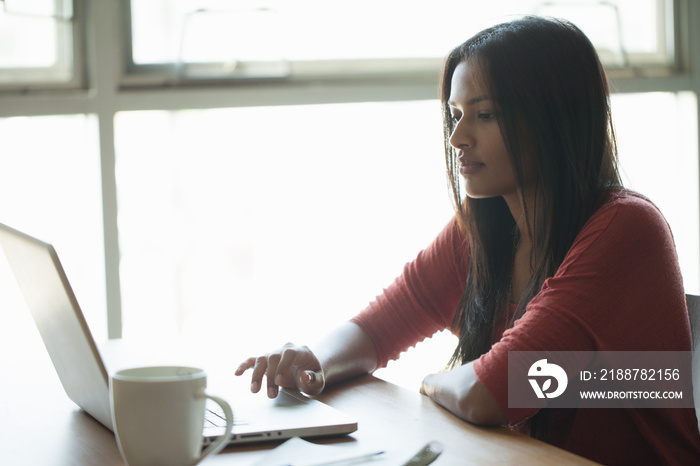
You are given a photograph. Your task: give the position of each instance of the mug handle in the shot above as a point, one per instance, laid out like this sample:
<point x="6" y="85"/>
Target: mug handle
<point x="222" y="441"/>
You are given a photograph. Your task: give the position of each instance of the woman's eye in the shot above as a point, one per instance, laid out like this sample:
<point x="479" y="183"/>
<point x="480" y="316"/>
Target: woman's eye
<point x="487" y="116"/>
<point x="454" y="118"/>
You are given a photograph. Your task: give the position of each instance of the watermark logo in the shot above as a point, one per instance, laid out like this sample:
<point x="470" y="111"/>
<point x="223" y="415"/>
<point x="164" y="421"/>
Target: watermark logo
<point x="547" y="371"/>
<point x="600" y="379"/>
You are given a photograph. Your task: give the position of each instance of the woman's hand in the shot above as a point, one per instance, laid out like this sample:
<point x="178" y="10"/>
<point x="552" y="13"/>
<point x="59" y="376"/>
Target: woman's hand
<point x="291" y="366"/>
<point x="346" y="352"/>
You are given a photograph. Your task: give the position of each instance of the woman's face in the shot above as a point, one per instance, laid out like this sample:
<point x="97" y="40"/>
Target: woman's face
<point x="481" y="152"/>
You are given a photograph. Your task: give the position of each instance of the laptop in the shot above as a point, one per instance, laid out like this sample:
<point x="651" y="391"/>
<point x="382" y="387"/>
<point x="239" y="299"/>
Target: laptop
<point x="84" y="375"/>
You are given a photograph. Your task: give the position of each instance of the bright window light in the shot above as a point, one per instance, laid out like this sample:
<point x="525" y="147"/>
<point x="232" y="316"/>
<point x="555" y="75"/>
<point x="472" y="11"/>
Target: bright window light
<point x="172" y="31"/>
<point x="263" y="218"/>
<point x="50" y="188"/>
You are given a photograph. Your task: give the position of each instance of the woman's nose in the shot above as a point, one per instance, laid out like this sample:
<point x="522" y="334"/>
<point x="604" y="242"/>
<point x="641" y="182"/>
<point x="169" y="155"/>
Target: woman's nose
<point x="461" y="137"/>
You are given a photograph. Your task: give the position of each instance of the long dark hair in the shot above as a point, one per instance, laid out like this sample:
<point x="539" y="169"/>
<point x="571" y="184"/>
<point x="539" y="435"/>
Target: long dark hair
<point x="552" y="97"/>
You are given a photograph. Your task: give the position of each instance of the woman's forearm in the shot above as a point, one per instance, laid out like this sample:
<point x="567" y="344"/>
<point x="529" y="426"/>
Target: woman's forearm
<point x="346" y="352"/>
<point x="461" y="392"/>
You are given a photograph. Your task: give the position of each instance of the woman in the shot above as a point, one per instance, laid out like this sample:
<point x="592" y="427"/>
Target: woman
<point x="547" y="253"/>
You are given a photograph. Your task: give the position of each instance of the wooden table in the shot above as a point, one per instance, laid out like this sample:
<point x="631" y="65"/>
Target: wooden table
<point x="39" y="425"/>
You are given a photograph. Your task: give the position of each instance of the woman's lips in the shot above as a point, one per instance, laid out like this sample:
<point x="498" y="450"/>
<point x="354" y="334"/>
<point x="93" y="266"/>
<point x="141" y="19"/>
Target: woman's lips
<point x="469" y="168"/>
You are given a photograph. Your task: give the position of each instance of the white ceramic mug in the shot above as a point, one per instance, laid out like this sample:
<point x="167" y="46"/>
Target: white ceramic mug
<point x="158" y="415"/>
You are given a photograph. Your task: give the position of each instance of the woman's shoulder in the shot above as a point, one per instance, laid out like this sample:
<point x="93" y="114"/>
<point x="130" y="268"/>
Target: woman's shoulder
<point x="624" y="219"/>
<point x="619" y="196"/>
<point x="628" y="209"/>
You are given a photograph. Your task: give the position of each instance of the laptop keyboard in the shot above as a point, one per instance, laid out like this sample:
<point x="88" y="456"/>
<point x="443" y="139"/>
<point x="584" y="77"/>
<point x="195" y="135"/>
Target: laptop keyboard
<point x="214" y="417"/>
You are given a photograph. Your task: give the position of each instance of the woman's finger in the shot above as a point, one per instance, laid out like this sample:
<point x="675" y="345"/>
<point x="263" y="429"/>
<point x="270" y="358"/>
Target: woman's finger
<point x="287" y="368"/>
<point x="244" y="366"/>
<point x="258" y="371"/>
<point x="273" y="361"/>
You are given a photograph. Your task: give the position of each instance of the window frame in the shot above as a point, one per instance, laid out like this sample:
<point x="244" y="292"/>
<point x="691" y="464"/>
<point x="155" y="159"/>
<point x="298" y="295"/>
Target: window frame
<point x="409" y="69"/>
<point x="29" y="80"/>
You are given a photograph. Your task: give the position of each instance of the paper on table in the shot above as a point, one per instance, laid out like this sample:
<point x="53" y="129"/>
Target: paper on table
<point x="296" y="451"/>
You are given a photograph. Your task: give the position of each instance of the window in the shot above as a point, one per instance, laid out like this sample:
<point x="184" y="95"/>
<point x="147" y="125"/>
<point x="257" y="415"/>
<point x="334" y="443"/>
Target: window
<point x="39" y="41"/>
<point x="50" y="188"/>
<point x="241" y="217"/>
<point x="189" y="40"/>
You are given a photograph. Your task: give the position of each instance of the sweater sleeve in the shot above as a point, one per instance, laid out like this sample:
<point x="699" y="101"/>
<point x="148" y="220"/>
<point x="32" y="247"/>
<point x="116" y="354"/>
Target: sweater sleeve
<point x="619" y="288"/>
<point x="422" y="300"/>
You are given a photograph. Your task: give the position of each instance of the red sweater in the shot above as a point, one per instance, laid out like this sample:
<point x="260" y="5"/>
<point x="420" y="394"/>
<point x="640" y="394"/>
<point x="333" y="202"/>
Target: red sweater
<point x="618" y="289"/>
